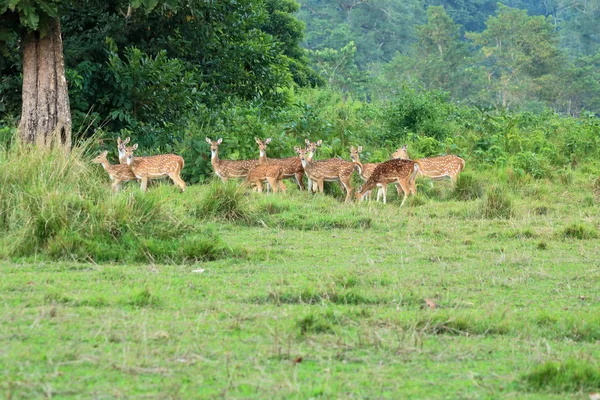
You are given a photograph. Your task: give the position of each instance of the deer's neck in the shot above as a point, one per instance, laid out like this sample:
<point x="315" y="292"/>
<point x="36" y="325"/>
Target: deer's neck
<point x="214" y="158"/>
<point x="359" y="167"/>
<point x="262" y="157"/>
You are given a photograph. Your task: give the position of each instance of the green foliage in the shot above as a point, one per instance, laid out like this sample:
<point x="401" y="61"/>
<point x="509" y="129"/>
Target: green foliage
<point x="419" y="113"/>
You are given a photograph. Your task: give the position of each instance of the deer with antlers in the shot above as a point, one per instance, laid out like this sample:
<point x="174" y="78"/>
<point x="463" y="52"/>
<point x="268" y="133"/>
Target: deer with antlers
<point x="398" y="171"/>
<point x="118" y="173"/>
<point x="292" y="167"/>
<point x="228" y="169"/>
<point x="155" y="167"/>
<point x="436" y="168"/>
<point x="331" y="170"/>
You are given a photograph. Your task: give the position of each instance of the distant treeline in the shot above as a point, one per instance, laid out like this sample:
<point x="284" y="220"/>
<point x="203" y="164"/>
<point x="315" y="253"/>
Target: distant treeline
<point x="526" y="55"/>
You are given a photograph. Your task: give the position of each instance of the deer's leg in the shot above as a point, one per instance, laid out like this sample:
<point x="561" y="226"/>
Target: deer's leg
<point x="144" y="185"/>
<point x="273" y="183"/>
<point x="299" y="181"/>
<point x="380" y="191"/>
<point x="178" y="181"/>
<point x="116" y="185"/>
<point x="321" y="183"/>
<point x="259" y="186"/>
<point x="282" y="186"/>
<point x="405" y="188"/>
<point x="345" y="181"/>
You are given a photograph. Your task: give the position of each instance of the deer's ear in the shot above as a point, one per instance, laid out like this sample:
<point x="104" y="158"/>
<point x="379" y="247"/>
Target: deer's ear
<point x="127" y="140"/>
<point x="119" y="141"/>
<point x="306" y="141"/>
<point x="220" y="141"/>
<point x="267" y="141"/>
<point x="405" y="147"/>
<point x="320" y="142"/>
<point x="352" y="149"/>
<point x="208" y="140"/>
<point x="297" y="149"/>
<point x="104" y="153"/>
<point x="257" y="140"/>
<point x="134" y="147"/>
<point x="359" y="149"/>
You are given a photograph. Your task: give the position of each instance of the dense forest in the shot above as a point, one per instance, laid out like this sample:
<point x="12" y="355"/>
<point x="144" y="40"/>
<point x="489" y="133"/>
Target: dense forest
<point x="511" y="83"/>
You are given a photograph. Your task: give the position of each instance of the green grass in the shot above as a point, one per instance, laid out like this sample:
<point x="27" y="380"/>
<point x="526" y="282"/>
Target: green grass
<point x="301" y="296"/>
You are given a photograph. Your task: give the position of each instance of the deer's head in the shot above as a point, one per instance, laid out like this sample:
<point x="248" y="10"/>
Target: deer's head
<point x="214" y="146"/>
<point x="129" y="153"/>
<point x="402" y="153"/>
<point x="101" y="158"/>
<point x="262" y="146"/>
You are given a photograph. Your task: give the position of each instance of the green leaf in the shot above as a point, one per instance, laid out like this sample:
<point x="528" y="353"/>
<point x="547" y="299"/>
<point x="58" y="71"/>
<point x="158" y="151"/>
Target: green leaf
<point x="49" y="8"/>
<point x="150" y="4"/>
<point x="30" y="17"/>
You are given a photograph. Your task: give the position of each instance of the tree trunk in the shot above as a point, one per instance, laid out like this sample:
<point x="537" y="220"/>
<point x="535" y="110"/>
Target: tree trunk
<point x="45" y="115"/>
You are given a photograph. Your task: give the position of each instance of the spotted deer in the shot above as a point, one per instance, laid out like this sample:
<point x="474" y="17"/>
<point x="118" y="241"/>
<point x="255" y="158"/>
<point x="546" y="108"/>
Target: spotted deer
<point x="121" y="147"/>
<point x="118" y="173"/>
<point x="435" y="167"/>
<point x="155" y="167"/>
<point x="331" y="170"/>
<point x="396" y="170"/>
<point x="228" y="169"/>
<point x="366" y="169"/>
<point x="273" y="174"/>
<point x="292" y="167"/>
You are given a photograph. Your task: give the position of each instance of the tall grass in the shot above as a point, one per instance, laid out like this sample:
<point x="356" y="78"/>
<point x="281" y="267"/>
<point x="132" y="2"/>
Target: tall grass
<point x="59" y="206"/>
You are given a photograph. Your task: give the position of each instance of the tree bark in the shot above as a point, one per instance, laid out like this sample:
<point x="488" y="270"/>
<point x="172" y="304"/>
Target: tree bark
<point x="45" y="115"/>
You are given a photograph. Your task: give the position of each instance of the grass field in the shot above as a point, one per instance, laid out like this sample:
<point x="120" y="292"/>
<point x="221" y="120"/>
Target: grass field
<point x="320" y="299"/>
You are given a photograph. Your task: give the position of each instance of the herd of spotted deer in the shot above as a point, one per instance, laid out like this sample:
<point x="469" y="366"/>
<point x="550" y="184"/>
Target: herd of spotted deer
<point x="399" y="170"/>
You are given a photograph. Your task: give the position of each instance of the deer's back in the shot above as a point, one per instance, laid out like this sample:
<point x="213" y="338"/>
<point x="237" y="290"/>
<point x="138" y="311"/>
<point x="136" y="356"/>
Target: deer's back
<point x="264" y="171"/>
<point x="121" y="172"/>
<point x="331" y="168"/>
<point x="290" y="165"/>
<point x="441" y="166"/>
<point x="157" y="166"/>
<point x="393" y="169"/>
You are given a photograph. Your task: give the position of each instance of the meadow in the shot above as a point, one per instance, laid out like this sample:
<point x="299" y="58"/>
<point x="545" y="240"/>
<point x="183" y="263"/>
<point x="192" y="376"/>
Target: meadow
<point x="484" y="290"/>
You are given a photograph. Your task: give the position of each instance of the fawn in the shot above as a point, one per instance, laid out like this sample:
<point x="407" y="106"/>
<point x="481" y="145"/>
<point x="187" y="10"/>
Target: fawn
<point x="118" y="173"/>
<point x="155" y="167"/>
